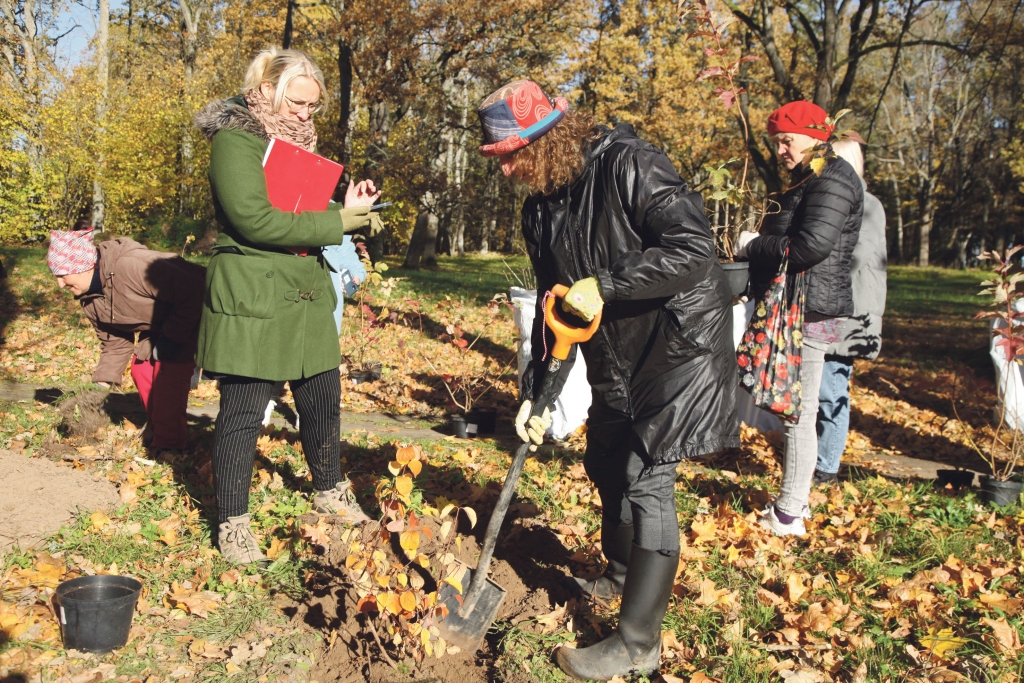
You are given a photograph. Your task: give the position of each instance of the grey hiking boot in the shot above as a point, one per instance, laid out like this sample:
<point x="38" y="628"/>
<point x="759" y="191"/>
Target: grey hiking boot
<point x="237" y="543"/>
<point x="340" y="501"/>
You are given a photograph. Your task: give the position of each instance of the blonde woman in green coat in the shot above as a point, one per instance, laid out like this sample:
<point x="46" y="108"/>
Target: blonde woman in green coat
<point x="269" y="312"/>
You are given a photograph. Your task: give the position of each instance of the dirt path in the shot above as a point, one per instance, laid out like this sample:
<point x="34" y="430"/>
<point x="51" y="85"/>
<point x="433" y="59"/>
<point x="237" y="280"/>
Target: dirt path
<point x="39" y="496"/>
<point x="130" y="405"/>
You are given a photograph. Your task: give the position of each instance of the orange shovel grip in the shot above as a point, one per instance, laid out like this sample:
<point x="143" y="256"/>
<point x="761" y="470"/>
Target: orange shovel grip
<point x="566" y="335"/>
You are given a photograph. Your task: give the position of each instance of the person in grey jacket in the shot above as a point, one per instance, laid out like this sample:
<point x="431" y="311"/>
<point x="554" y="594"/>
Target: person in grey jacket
<point x="860" y="334"/>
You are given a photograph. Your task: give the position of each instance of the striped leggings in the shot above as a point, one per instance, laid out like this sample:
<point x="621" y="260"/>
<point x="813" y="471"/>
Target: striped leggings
<point x="243" y="401"/>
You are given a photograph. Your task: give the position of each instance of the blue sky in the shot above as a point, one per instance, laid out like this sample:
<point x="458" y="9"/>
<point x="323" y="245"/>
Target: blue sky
<point x="72" y="47"/>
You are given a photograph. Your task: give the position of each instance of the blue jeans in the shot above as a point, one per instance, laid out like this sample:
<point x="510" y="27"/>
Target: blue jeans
<point x="833" y="412"/>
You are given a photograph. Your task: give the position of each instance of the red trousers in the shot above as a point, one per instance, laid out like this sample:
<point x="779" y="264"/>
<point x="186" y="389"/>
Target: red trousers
<point x="164" y="391"/>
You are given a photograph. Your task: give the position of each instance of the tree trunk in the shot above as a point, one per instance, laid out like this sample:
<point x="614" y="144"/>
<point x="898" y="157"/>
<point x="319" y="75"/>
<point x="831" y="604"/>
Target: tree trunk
<point x="286" y="39"/>
<point x="344" y="97"/>
<point x="826" y="58"/>
<point x="102" y="77"/>
<point x="422" y="242"/>
<point x="376" y="154"/>
<point x="190" y="16"/>
<point x="924" y="224"/>
<point x="898" y="242"/>
<point x="20" y="65"/>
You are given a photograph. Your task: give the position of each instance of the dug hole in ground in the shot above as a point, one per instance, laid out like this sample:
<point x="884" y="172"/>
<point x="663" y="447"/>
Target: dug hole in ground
<point x="529" y="564"/>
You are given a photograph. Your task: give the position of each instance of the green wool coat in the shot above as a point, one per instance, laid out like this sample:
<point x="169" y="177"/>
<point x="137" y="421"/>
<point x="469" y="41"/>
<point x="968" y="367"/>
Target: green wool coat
<point x="268" y="313"/>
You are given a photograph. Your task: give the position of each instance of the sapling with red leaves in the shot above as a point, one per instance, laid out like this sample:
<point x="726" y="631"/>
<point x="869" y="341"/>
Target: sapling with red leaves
<point x="1005" y="307"/>
<point x="468" y="381"/>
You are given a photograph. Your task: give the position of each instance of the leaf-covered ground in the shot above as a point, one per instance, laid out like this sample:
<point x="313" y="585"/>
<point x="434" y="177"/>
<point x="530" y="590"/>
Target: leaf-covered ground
<point x="896" y="581"/>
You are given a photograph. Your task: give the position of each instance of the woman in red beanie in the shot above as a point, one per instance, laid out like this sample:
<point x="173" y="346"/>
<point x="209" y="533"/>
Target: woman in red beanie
<point x="818" y="223"/>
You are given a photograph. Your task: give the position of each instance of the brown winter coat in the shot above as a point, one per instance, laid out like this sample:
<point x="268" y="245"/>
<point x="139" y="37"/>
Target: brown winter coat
<point x="148" y="292"/>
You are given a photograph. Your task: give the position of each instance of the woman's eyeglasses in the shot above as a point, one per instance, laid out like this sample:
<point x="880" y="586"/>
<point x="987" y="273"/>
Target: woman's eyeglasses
<point x="296" y="107"/>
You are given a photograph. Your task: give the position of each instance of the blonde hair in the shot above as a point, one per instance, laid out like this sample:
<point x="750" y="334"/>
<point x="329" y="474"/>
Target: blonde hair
<point x="281" y="67"/>
<point x="556" y="158"/>
<point x="851" y="151"/>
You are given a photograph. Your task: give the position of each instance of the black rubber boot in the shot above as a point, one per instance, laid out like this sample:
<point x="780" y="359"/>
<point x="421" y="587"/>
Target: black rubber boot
<point x="616" y="544"/>
<point x="635" y="647"/>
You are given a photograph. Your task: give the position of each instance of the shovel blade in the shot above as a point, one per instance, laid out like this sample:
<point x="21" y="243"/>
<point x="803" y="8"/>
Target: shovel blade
<point x="467" y="627"/>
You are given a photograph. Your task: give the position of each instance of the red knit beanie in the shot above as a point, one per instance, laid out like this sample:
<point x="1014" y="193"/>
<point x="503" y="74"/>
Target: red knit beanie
<point x="798" y="117"/>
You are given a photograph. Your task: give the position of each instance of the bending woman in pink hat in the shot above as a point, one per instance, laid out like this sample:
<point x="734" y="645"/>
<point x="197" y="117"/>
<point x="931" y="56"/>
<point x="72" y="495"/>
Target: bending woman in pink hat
<point x="125" y="288"/>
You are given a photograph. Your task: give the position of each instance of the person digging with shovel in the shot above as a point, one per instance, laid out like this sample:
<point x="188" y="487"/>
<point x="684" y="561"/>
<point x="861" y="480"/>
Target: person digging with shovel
<point x="610" y="216"/>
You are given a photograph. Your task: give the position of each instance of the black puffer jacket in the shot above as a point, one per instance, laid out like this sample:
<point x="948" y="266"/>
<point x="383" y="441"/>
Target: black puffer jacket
<point x="662" y="360"/>
<point x="819" y="222"/>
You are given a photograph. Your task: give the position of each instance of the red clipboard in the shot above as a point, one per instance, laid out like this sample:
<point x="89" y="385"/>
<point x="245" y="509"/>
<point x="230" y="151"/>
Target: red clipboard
<point x="299" y="180"/>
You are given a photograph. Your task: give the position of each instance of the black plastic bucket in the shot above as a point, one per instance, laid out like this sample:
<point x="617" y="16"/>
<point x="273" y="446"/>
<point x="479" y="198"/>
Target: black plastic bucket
<point x="461" y="426"/>
<point x="738" y="275"/>
<point x="999" y="492"/>
<point x="486" y="420"/>
<point x="959" y="479"/>
<point x="95" y="612"/>
<point x="369" y="372"/>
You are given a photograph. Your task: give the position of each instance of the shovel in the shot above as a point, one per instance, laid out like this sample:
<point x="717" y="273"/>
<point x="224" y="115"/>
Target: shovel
<point x="467" y="624"/>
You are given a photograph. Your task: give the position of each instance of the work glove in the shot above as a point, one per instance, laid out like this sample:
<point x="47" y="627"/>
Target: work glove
<point x="584" y="299"/>
<point x="531" y="429"/>
<point x="742" y="242"/>
<point x="164" y="349"/>
<point x="375" y="225"/>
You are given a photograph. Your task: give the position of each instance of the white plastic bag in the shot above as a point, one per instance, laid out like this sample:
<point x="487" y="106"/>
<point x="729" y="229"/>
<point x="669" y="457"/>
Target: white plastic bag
<point x="570" y="410"/>
<point x="746" y="409"/>
<point x="1008" y="377"/>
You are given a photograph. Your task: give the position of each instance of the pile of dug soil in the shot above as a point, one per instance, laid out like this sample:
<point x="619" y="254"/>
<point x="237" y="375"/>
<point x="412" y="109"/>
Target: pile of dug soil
<point x="529" y="563"/>
<point x="39" y="496"/>
<point x="83" y="414"/>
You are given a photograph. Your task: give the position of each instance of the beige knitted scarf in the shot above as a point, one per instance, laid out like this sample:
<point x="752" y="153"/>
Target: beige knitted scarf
<point x="300" y="133"/>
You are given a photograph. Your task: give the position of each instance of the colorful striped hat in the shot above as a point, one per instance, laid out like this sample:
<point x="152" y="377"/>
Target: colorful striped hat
<point x="71" y="252"/>
<point x="515" y="115"/>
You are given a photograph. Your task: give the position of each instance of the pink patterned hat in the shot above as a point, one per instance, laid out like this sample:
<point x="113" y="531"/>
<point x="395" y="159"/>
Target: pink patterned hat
<point x="515" y="115"/>
<point x="71" y="252"/>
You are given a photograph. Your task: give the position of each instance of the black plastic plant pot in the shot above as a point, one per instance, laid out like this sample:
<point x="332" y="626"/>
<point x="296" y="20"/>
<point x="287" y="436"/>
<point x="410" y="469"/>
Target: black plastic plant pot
<point x="999" y="492"/>
<point x="95" y="612"/>
<point x="461" y="427"/>
<point x="958" y="479"/>
<point x="485" y="420"/>
<point x="369" y="372"/>
<point x="738" y="276"/>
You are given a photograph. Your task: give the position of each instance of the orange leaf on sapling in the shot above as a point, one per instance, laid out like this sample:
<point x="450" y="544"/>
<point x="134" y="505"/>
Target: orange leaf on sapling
<point x="403" y="485"/>
<point x="410" y="541"/>
<point x="393" y="603"/>
<point x="408" y="601"/>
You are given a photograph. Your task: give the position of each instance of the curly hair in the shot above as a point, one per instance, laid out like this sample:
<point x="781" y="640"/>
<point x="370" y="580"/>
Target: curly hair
<point x="556" y="159"/>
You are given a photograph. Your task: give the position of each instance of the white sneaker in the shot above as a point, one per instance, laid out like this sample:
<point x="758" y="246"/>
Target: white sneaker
<point x="269" y="411"/>
<point x="770" y="521"/>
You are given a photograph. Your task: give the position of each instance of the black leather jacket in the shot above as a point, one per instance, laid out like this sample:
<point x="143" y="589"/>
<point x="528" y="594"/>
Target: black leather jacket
<point x="820" y="222"/>
<point x="662" y="359"/>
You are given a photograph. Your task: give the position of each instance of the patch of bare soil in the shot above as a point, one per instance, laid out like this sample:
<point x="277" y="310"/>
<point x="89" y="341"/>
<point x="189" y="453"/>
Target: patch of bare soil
<point x="39" y="496"/>
<point x="529" y="563"/>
